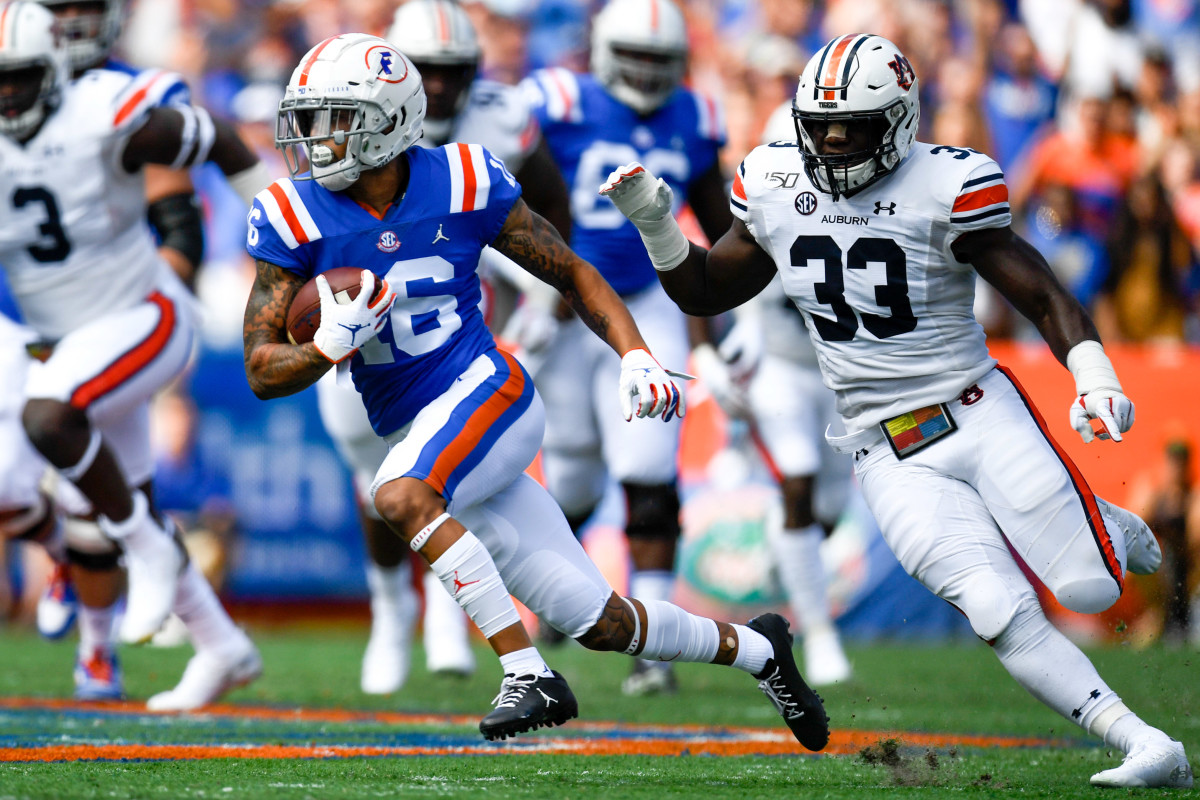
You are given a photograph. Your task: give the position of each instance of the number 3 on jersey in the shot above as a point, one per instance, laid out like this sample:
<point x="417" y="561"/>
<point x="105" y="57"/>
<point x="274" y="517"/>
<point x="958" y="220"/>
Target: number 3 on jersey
<point x="423" y="317"/>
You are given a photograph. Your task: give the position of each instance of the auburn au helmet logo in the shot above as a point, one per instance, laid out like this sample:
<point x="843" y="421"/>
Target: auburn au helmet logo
<point x="904" y="72"/>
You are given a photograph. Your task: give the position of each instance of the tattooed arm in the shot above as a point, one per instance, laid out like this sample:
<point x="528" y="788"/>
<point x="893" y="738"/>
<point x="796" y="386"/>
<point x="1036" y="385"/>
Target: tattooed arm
<point x="536" y="246"/>
<point x="274" y="366"/>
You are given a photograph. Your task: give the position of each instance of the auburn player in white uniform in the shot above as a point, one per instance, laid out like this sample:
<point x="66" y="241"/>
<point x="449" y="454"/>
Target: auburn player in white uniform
<point x="438" y="37"/>
<point x="462" y="418"/>
<point x="114" y="323"/>
<point x="765" y="371"/>
<point x="878" y="244"/>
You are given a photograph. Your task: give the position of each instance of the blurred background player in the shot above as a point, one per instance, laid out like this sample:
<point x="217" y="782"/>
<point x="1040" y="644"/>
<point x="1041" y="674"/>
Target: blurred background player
<point x="765" y="372"/>
<point x="438" y="37"/>
<point x="90" y="29"/>
<point x="113" y="322"/>
<point x="631" y="106"/>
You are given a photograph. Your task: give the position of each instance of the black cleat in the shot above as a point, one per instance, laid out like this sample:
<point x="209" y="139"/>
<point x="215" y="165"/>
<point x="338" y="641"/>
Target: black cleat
<point x="528" y="703"/>
<point x="780" y="681"/>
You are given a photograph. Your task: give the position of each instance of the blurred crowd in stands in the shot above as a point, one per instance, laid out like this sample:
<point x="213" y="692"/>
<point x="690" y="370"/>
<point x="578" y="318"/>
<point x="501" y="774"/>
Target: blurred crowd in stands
<point x="1092" y="107"/>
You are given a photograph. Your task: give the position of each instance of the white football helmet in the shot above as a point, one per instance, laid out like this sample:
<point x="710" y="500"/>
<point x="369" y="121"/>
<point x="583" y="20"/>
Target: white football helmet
<point x="438" y="35"/>
<point x="33" y="68"/>
<point x="351" y="89"/>
<point x="90" y="28"/>
<point x="639" y="51"/>
<point x="859" y="79"/>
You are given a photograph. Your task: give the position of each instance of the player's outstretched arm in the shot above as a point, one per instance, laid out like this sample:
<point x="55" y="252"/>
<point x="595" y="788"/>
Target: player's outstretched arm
<point x="534" y="244"/>
<point x="701" y="282"/>
<point x="183" y="136"/>
<point x="1022" y="276"/>
<point x="274" y="366"/>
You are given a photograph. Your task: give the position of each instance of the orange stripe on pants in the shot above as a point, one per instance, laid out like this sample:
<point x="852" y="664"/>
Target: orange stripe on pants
<point x="133" y="360"/>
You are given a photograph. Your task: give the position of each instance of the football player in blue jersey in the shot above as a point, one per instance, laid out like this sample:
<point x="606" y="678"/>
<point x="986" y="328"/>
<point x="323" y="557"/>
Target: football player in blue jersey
<point x="462" y="418"/>
<point x="631" y="106"/>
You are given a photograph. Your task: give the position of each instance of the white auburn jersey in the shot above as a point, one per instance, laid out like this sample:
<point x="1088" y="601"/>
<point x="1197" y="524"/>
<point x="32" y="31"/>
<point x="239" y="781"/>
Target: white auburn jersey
<point x="497" y="117"/>
<point x="888" y="305"/>
<point x="75" y="241"/>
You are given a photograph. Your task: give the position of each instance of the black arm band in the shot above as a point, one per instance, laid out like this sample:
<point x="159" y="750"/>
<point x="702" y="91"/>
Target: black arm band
<point x="177" y="221"/>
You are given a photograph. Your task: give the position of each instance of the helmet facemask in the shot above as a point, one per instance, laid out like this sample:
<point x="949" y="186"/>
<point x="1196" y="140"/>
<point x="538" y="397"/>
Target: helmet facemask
<point x="308" y="126"/>
<point x="846" y="174"/>
<point x="90" y="29"/>
<point x="640" y="78"/>
<point x="639" y="51"/>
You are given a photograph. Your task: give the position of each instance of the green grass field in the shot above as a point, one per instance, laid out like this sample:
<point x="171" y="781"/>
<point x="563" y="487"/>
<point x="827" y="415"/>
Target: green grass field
<point x="951" y="689"/>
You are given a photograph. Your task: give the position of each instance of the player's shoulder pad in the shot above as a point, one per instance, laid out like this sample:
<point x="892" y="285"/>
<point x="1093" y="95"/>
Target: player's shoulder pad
<point x="764" y="161"/>
<point x="968" y="184"/>
<point x="474" y="174"/>
<point x="144" y="90"/>
<point x="710" y="116"/>
<point x="282" y="209"/>
<point x="555" y="93"/>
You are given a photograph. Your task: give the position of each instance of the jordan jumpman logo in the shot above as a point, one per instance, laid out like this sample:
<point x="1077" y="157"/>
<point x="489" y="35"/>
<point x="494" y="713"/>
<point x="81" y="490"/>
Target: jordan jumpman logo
<point x="441" y="237"/>
<point x="459" y="585"/>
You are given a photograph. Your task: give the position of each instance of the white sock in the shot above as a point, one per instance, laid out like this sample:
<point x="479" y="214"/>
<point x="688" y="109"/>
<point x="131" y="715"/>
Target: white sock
<point x="798" y="561"/>
<point x="96" y="627"/>
<point x="754" y="650"/>
<point x="208" y="626"/>
<point x="1050" y="668"/>
<point x="672" y="634"/>
<point x="467" y="571"/>
<point x="525" y="662"/>
<point x="387" y="586"/>
<point x="1121" y="728"/>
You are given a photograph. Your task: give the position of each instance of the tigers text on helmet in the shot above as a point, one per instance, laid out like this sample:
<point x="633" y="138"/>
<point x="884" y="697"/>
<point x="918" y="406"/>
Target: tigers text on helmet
<point x="437" y="36"/>
<point x="90" y="29"/>
<point x="856" y="80"/>
<point x="353" y="89"/>
<point x="33" y="68"/>
<point x="639" y="51"/>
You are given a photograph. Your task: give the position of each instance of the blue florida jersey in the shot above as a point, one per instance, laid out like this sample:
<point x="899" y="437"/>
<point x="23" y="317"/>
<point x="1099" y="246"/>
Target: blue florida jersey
<point x="591" y="133"/>
<point x="426" y="246"/>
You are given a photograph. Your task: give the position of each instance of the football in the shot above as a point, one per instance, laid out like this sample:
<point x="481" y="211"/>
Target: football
<point x="304" y="315"/>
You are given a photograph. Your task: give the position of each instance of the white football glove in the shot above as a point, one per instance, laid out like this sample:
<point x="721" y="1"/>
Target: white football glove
<point x="1098" y="393"/>
<point x="345" y="327"/>
<point x="720" y="382"/>
<point x="742" y="348"/>
<point x="646" y="201"/>
<point x="644" y="378"/>
<point x="1113" y="409"/>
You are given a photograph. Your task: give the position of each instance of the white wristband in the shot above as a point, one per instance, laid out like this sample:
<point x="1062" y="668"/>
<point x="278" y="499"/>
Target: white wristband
<point x="1091" y="368"/>
<point x="250" y="182"/>
<point x="664" y="241"/>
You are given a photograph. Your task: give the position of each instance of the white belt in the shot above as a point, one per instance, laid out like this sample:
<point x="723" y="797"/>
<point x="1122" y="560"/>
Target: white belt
<point x="853" y="442"/>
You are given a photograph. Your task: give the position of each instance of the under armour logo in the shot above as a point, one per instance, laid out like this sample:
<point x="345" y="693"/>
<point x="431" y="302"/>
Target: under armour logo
<point x="354" y="329"/>
<point x="385" y="63"/>
<point x="890" y="208"/>
<point x="459" y="585"/>
<point x="441" y="237"/>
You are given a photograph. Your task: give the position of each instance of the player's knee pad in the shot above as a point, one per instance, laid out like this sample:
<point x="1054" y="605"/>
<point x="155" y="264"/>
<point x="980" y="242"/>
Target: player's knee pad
<point x="990" y="605"/>
<point x="653" y="511"/>
<point x="1088" y="594"/>
<point x="84" y="537"/>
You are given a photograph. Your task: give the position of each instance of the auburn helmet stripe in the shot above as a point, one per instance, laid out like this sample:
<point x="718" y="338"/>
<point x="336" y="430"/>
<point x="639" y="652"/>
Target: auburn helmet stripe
<point x="443" y="24"/>
<point x="4" y="14"/>
<point x="831" y="60"/>
<point x="848" y="64"/>
<point x="654" y="16"/>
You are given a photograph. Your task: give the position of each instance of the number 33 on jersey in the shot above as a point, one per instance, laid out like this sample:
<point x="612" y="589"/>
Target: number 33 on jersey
<point x="887" y="303"/>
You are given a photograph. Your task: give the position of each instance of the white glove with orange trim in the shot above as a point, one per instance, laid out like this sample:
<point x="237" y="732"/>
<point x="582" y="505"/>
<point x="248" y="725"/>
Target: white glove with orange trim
<point x="646" y="201"/>
<point x="1099" y="394"/>
<point x="345" y="327"/>
<point x="644" y="378"/>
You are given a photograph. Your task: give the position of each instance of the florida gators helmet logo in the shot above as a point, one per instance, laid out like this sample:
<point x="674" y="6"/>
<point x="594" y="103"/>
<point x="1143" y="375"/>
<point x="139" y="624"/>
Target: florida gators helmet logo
<point x="385" y="64"/>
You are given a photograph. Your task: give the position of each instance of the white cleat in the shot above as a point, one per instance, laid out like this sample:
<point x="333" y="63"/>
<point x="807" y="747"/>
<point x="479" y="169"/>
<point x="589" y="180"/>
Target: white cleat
<point x="825" y="661"/>
<point x="1142" y="553"/>
<point x="447" y="635"/>
<point x="207" y="677"/>
<point x="387" y="659"/>
<point x="1158" y="763"/>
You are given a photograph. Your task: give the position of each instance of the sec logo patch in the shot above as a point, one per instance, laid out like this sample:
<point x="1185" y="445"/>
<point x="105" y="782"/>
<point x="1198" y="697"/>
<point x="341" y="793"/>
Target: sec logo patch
<point x="388" y="242"/>
<point x="806" y="203"/>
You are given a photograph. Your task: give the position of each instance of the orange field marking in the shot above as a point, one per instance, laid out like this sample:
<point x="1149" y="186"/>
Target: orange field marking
<point x="674" y="740"/>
